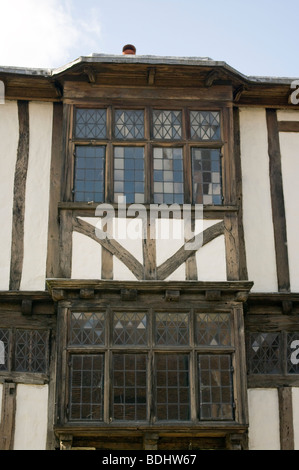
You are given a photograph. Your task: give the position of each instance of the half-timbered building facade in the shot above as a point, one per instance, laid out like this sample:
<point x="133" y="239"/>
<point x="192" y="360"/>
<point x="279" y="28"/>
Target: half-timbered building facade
<point x="149" y="269"/>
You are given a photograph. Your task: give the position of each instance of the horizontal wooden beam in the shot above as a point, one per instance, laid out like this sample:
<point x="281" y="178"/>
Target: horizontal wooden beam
<point x="288" y="126"/>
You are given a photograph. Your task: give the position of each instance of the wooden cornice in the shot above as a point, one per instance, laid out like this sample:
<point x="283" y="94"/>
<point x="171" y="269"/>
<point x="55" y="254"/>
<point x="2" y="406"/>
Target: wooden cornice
<point x="236" y="291"/>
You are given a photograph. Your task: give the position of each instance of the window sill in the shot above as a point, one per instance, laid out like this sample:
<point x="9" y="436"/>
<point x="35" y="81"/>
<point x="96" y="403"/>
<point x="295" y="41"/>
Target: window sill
<point x="91" y="206"/>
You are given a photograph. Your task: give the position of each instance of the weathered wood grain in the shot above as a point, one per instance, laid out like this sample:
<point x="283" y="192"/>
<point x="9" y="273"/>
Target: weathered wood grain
<point x="17" y="242"/>
<point x="172" y="263"/>
<point x="111" y="245"/>
<point x="53" y="263"/>
<point x="277" y="199"/>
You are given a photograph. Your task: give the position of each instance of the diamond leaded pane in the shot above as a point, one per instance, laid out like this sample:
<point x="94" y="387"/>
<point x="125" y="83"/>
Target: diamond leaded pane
<point x="264" y="353"/>
<point x="205" y="125"/>
<point x="87" y="328"/>
<point x="172" y="387"/>
<point x="293" y="353"/>
<point x="172" y="329"/>
<point x="206" y="176"/>
<point x="31" y="351"/>
<point x="213" y="329"/>
<point x="4" y="348"/>
<point x="130" y="328"/>
<point x="90" y="124"/>
<point x="129" y="387"/>
<point x="129" y="124"/>
<point x="86" y="387"/>
<point x="215" y="386"/>
<point x="167" y="124"/>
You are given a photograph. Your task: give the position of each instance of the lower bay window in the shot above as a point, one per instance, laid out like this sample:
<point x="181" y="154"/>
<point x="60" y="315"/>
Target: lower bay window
<point x="150" y="366"/>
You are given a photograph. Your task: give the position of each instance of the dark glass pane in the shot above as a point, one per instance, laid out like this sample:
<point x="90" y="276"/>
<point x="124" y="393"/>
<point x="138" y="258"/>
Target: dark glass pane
<point x="215" y="387"/>
<point x="89" y="174"/>
<point x="168" y="177"/>
<point x="205" y="125"/>
<point x="130" y="328"/>
<point x="31" y="351"/>
<point x="128" y="171"/>
<point x="293" y="353"/>
<point x="86" y="387"/>
<point x="206" y="176"/>
<point x="90" y="124"/>
<point x="264" y="353"/>
<point x="4" y="348"/>
<point x="172" y="329"/>
<point x="172" y="387"/>
<point x="87" y="328"/>
<point x="213" y="329"/>
<point x="129" y="387"/>
<point x="129" y="124"/>
<point x="167" y="124"/>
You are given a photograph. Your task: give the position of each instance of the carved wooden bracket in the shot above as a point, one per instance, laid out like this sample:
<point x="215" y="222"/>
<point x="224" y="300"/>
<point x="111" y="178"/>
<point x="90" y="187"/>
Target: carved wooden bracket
<point x="26" y="307"/>
<point x="172" y="295"/>
<point x="128" y="294"/>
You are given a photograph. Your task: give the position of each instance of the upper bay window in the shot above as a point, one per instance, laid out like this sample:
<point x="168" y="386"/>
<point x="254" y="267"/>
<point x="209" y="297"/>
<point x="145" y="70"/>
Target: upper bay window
<point x="148" y="155"/>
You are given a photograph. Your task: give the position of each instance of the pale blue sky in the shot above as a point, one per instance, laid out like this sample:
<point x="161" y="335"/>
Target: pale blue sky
<point x="256" y="37"/>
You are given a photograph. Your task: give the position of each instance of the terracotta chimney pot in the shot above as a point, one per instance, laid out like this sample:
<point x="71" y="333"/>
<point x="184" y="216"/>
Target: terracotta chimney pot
<point x="129" y="49"/>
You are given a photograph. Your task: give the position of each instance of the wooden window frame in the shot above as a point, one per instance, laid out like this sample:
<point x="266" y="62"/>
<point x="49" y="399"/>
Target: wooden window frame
<point x="284" y="378"/>
<point x="225" y="145"/>
<point x="195" y="422"/>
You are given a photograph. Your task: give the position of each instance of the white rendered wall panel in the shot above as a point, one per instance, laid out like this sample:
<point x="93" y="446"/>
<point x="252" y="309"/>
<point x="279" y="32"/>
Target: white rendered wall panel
<point x="289" y="148"/>
<point x="9" y="138"/>
<point x="37" y="196"/>
<point x="287" y="115"/>
<point x="263" y="410"/>
<point x="257" y="209"/>
<point x="295" y="402"/>
<point x="1" y="393"/>
<point x="31" y="417"/>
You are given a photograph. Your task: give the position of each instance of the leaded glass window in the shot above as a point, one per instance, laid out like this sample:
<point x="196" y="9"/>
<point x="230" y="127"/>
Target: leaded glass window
<point x="167" y="125"/>
<point x="4" y="348"/>
<point x="172" y="328"/>
<point x="24" y="350"/>
<point x="129" y="387"/>
<point x="205" y="125"/>
<point x="87" y="328"/>
<point x="89" y="173"/>
<point x="215" y="384"/>
<point x="275" y="353"/>
<point x="172" y="389"/>
<point x="31" y="351"/>
<point x="90" y="124"/>
<point x="213" y="329"/>
<point x="86" y="387"/>
<point x="168" y="176"/>
<point x="293" y="353"/>
<point x="206" y="176"/>
<point x="129" y="124"/>
<point x="264" y="353"/>
<point x="139" y="365"/>
<point x="129" y="174"/>
<point x="129" y="328"/>
<point x="146" y="156"/>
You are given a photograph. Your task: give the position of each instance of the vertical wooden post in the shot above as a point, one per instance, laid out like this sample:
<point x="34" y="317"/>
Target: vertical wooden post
<point x="150" y="441"/>
<point x="55" y="193"/>
<point x="7" y="425"/>
<point x="243" y="274"/>
<point x="286" y="418"/>
<point x="277" y="199"/>
<point x="149" y="250"/>
<point x="17" y="240"/>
